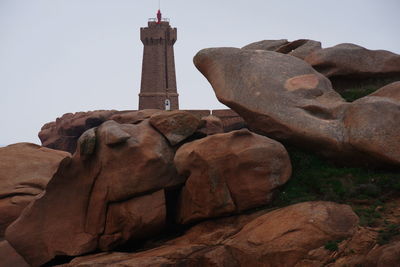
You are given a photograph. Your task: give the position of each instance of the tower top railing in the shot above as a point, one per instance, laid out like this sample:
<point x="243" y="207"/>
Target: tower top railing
<point x="155" y="19"/>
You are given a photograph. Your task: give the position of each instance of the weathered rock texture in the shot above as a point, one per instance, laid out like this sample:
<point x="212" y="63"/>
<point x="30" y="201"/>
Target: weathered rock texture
<point x="9" y="257"/>
<point x="230" y="119"/>
<point x="210" y="125"/>
<point x="65" y="131"/>
<point x="372" y="127"/>
<point x="229" y="173"/>
<point x="283" y="237"/>
<point x="110" y="191"/>
<point x="25" y="170"/>
<point x="176" y="126"/>
<point x="300" y="48"/>
<point x="115" y="187"/>
<point x="279" y="238"/>
<point x="390" y="91"/>
<point x="284" y="98"/>
<point x="348" y="66"/>
<point x="359" y="250"/>
<point x="63" y="134"/>
<point x="134" y="219"/>
<point x="388" y="255"/>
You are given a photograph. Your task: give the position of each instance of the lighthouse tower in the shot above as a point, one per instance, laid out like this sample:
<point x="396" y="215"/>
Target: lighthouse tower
<point x="158" y="86"/>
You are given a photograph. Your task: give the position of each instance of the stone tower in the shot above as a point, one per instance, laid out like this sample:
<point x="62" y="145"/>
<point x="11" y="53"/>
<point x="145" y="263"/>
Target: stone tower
<point x="158" y="86"/>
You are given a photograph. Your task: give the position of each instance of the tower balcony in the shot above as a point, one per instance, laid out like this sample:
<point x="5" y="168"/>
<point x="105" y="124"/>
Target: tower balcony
<point x="155" y="20"/>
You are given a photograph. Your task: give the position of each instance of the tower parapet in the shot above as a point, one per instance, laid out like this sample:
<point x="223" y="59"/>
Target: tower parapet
<point x="158" y="86"/>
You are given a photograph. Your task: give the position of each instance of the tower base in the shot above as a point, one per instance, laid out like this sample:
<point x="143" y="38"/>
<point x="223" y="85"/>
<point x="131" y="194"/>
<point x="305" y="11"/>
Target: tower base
<point x="157" y="101"/>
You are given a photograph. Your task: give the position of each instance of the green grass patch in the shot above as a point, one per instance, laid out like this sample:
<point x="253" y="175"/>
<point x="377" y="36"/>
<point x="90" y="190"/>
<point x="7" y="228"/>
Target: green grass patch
<point x="369" y="216"/>
<point x="390" y="231"/>
<point x="315" y="178"/>
<point x="354" y="94"/>
<point x="332" y="245"/>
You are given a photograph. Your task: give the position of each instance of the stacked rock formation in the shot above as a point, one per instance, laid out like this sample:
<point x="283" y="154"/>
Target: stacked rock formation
<point x="63" y="134"/>
<point x="284" y="98"/>
<point x="348" y="66"/>
<point x="114" y="189"/>
<point x="177" y="188"/>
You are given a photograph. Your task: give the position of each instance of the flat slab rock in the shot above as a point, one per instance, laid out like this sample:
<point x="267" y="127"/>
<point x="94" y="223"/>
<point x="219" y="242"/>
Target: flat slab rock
<point x="281" y="237"/>
<point x="284" y="98"/>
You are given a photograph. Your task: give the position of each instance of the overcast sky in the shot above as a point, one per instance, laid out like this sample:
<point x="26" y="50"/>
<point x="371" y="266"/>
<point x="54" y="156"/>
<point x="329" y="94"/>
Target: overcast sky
<point x="59" y="56"/>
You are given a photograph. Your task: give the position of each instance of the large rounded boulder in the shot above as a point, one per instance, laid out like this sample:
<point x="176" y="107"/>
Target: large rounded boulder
<point x="284" y="98"/>
<point x="348" y="66"/>
<point x="278" y="95"/>
<point x="110" y="192"/>
<point x="25" y="170"/>
<point x="351" y="66"/>
<point x="372" y="126"/>
<point x="228" y="173"/>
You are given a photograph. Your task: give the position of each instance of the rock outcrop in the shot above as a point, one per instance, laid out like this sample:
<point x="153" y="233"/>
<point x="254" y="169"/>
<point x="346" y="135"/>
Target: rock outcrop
<point x="115" y="187"/>
<point x="229" y="173"/>
<point x="348" y="66"/>
<point x="175" y="125"/>
<point x="284" y="98"/>
<point x="9" y="257"/>
<point x="65" y="131"/>
<point x="300" y="48"/>
<point x="111" y="191"/>
<point x="279" y="238"/>
<point x="390" y="91"/>
<point x="63" y="134"/>
<point x="230" y="119"/>
<point x="283" y="237"/>
<point x="25" y="170"/>
<point x="193" y="188"/>
<point x="387" y="255"/>
<point x="210" y="125"/>
<point x="372" y="127"/>
<point x="269" y="45"/>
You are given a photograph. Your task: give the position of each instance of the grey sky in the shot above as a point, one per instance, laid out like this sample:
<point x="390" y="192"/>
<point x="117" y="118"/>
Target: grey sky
<point x="59" y="56"/>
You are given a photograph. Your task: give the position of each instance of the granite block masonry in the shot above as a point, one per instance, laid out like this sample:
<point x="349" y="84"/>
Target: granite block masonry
<point x="158" y="85"/>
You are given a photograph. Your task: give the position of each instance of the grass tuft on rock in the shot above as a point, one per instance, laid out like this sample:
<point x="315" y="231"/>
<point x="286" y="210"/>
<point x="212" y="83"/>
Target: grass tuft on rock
<point x="315" y="178"/>
<point x="389" y="231"/>
<point x="332" y="245"/>
<point x="354" y="94"/>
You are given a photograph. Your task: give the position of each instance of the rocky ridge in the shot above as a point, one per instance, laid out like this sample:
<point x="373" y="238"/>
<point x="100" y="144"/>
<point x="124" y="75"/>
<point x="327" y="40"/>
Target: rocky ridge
<point x="178" y="188"/>
<point x="347" y="66"/>
<point x="64" y="132"/>
<point x="284" y="98"/>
